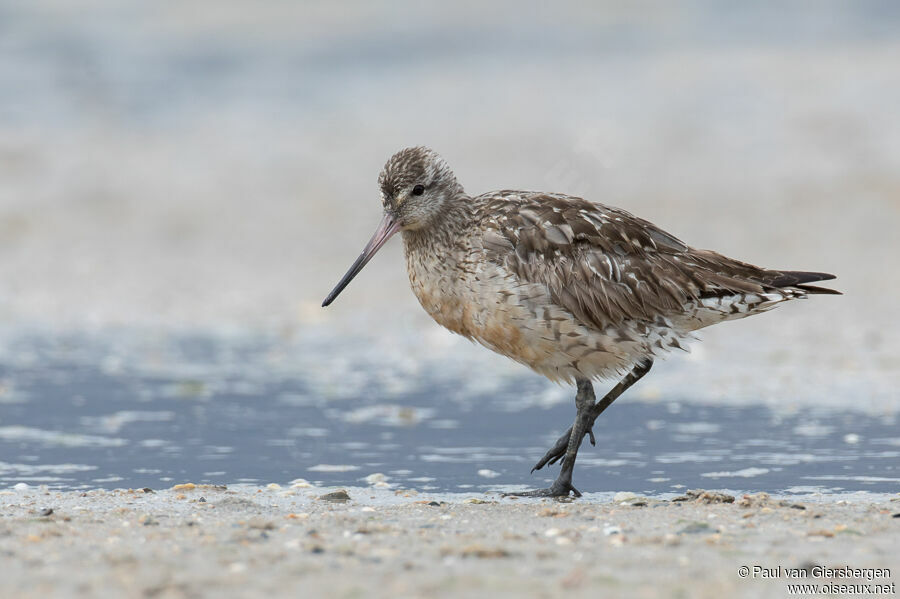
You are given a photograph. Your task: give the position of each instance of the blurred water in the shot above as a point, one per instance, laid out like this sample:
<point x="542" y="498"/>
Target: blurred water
<point x="74" y="417"/>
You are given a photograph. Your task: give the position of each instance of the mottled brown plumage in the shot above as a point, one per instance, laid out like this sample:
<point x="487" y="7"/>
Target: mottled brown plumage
<point x="608" y="267"/>
<point x="574" y="289"/>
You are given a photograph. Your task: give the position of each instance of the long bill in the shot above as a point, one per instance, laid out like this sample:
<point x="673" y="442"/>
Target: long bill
<point x="384" y="232"/>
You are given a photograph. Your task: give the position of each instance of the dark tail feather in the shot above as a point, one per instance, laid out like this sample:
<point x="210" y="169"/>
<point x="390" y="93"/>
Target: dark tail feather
<point x="799" y="279"/>
<point x="813" y="290"/>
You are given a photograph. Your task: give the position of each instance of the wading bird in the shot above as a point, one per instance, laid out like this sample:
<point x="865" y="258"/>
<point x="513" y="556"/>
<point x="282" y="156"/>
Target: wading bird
<point x="573" y="289"/>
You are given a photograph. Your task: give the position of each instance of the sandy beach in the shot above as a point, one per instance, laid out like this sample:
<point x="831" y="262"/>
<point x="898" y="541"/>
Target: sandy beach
<point x="302" y="541"/>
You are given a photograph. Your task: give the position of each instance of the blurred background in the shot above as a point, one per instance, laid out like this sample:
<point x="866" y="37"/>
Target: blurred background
<point x="181" y="183"/>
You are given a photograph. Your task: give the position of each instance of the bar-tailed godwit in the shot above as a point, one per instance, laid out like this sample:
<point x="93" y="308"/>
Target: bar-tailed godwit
<point x="575" y="290"/>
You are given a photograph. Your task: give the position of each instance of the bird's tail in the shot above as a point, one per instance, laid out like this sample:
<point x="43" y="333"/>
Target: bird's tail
<point x="799" y="279"/>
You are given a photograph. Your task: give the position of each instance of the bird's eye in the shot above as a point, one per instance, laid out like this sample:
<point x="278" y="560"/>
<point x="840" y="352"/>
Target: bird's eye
<point x="418" y="190"/>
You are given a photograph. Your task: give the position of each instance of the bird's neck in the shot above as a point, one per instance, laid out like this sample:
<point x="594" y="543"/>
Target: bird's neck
<point x="451" y="223"/>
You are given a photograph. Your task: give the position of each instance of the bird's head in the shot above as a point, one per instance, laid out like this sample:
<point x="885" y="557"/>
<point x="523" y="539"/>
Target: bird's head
<point x="416" y="187"/>
<point x="416" y="184"/>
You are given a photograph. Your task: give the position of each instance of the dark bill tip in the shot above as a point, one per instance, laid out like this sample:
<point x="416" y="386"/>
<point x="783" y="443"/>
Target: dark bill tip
<point x="384" y="232"/>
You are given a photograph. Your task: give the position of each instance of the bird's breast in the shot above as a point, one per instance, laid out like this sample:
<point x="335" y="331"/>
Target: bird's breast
<point x="481" y="301"/>
<point x="444" y="291"/>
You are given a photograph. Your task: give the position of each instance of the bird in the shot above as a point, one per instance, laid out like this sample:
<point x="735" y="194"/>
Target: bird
<point x="576" y="290"/>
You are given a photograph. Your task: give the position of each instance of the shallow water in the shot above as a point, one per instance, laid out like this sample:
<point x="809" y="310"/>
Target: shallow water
<point x="80" y="412"/>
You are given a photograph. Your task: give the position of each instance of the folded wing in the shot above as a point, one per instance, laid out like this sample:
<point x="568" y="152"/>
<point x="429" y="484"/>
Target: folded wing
<point x="606" y="266"/>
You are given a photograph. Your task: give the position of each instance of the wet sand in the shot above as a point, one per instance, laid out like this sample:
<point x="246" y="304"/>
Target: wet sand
<point x="192" y="541"/>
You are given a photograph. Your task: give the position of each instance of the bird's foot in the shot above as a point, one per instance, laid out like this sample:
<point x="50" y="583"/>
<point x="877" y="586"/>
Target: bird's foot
<point x="557" y="489"/>
<point x="558" y="451"/>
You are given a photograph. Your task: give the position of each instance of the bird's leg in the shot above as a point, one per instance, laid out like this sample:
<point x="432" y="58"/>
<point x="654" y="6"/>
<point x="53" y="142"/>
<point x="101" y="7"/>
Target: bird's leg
<point x="562" y="486"/>
<point x="555" y="453"/>
<point x="562" y="444"/>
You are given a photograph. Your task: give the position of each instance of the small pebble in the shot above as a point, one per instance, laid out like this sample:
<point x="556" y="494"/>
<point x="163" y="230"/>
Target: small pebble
<point x="670" y="539"/>
<point x="261" y="524"/>
<point x="482" y="552"/>
<point x="702" y="496"/>
<point x="624" y="496"/>
<point x="46" y="511"/>
<point x="820" y="533"/>
<point x="338" y="496"/>
<point x="148" y="490"/>
<point x="696" y="528"/>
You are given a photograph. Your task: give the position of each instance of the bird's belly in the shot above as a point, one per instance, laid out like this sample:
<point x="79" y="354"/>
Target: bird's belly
<point x="522" y="322"/>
